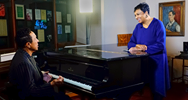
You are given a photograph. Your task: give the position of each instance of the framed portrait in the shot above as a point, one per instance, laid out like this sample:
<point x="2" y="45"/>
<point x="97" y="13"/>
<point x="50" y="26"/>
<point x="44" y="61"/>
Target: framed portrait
<point x="172" y="14"/>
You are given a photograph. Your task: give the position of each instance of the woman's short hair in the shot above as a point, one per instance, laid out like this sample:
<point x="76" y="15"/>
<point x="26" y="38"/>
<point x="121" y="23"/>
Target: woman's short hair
<point x="143" y="7"/>
<point x="22" y="37"/>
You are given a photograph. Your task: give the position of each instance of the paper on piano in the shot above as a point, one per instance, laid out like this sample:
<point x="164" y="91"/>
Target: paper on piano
<point x="6" y="56"/>
<point x="72" y="46"/>
<point x="47" y="77"/>
<point x="126" y="50"/>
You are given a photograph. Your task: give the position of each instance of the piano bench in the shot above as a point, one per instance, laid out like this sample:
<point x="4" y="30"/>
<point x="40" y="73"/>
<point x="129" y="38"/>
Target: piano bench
<point x="10" y="92"/>
<point x="71" y="94"/>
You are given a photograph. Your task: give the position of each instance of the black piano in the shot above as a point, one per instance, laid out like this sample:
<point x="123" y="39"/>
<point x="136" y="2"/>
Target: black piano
<point x="98" y="71"/>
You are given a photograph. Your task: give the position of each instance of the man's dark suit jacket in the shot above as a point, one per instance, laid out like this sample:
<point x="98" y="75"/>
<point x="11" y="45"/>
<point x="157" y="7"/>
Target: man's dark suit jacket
<point x="27" y="76"/>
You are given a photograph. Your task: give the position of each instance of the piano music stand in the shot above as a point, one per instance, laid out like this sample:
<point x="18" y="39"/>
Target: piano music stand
<point x="123" y="39"/>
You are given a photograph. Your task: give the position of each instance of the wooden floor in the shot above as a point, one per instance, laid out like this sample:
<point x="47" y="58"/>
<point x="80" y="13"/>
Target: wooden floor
<point x="177" y="92"/>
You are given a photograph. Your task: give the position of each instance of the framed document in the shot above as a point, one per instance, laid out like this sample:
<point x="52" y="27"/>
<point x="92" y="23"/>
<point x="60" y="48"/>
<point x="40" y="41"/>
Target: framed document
<point x="2" y="10"/>
<point x="29" y="15"/>
<point x="19" y="11"/>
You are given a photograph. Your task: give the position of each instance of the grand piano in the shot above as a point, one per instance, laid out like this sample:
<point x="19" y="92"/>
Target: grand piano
<point x="98" y="71"/>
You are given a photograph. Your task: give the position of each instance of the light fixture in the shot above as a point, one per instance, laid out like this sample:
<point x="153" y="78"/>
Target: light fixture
<point x="86" y="6"/>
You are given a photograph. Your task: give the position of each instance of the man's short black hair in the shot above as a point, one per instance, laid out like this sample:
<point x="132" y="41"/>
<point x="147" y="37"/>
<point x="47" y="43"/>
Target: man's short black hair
<point x="22" y="37"/>
<point x="173" y="12"/>
<point x="143" y="7"/>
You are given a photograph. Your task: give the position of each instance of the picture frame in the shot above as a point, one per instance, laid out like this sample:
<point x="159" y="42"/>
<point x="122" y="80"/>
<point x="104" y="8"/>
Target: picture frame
<point x="172" y="14"/>
<point x="19" y="11"/>
<point x="2" y="10"/>
<point x="29" y="15"/>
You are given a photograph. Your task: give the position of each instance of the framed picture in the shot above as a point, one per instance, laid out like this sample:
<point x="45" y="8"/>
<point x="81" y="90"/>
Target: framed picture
<point x="172" y="14"/>
<point x="2" y="10"/>
<point x="19" y="11"/>
<point x="29" y="15"/>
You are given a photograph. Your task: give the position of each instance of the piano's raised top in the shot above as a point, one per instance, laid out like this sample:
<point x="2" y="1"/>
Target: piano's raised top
<point x="100" y="52"/>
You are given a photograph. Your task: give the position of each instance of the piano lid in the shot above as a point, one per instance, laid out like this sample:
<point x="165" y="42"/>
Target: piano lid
<point x="100" y="52"/>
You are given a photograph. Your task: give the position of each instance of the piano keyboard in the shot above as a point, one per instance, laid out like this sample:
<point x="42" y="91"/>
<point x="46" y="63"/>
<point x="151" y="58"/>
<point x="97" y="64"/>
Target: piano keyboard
<point x="76" y="83"/>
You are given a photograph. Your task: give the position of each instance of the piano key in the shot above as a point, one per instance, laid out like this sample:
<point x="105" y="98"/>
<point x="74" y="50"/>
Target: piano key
<point x="82" y="85"/>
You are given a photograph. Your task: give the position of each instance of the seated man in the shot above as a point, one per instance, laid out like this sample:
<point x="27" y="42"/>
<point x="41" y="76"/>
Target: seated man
<point x="25" y="74"/>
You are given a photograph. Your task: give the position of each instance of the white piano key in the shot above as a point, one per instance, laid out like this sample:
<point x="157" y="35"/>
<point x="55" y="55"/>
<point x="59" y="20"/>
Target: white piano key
<point x="82" y="85"/>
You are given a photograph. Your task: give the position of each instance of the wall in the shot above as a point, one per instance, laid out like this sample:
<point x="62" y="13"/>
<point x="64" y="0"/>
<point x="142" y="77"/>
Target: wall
<point x="117" y="18"/>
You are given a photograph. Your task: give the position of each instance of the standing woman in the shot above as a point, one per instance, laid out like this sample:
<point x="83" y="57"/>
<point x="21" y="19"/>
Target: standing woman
<point x="149" y="35"/>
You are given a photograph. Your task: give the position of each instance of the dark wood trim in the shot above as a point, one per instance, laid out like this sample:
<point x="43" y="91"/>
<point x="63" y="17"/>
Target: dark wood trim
<point x="4" y="66"/>
<point x="13" y="21"/>
<point x="63" y="44"/>
<point x="12" y="49"/>
<point x="7" y="50"/>
<point x="74" y="34"/>
<point x="55" y="24"/>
